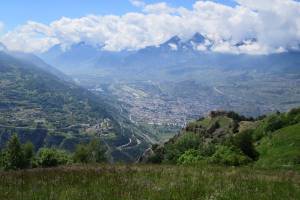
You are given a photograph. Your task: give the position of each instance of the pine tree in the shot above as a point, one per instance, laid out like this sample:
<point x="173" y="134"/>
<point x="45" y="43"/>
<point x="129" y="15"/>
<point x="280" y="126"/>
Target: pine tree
<point x="28" y="154"/>
<point x="14" y="155"/>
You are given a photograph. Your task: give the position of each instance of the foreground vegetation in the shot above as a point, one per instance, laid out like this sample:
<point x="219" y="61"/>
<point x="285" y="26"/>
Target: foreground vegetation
<point x="199" y="163"/>
<point x="149" y="182"/>
<point x="226" y="138"/>
<point x="16" y="156"/>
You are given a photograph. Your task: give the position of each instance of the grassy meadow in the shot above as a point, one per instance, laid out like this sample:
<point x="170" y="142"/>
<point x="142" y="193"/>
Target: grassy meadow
<point x="149" y="182"/>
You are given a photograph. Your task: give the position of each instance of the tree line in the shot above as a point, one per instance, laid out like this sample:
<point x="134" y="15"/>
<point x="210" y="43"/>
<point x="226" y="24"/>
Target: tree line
<point x="17" y="156"/>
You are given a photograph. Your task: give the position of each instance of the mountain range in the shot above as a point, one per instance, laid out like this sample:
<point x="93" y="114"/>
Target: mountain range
<point x="174" y="53"/>
<point x="220" y="79"/>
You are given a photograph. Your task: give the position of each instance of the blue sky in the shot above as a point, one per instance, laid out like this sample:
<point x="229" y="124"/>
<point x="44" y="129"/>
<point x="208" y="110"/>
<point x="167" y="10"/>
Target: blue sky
<point x="16" y="12"/>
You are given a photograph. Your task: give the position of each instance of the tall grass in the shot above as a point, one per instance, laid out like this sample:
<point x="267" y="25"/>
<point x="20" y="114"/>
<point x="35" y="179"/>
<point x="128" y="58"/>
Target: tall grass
<point x="161" y="182"/>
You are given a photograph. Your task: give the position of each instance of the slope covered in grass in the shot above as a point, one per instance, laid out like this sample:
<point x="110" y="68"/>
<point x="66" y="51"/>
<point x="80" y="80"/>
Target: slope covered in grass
<point x="149" y="182"/>
<point x="281" y="148"/>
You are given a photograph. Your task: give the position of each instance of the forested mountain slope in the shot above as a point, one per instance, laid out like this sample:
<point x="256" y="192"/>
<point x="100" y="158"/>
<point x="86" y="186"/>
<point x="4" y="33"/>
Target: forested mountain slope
<point x="49" y="111"/>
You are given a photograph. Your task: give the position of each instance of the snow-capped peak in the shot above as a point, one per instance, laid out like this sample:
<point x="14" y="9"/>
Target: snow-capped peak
<point x="175" y="40"/>
<point x="197" y="38"/>
<point x="246" y="42"/>
<point x="173" y="43"/>
<point x="173" y="46"/>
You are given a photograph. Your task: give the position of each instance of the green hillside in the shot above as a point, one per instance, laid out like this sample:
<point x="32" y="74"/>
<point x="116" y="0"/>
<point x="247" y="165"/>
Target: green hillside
<point x="281" y="149"/>
<point x="51" y="112"/>
<point x="227" y="138"/>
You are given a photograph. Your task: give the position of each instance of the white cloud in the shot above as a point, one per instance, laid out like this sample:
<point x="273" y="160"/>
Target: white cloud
<point x="159" y="8"/>
<point x="274" y="23"/>
<point x="31" y="37"/>
<point x="1" y="26"/>
<point x="278" y="21"/>
<point x="137" y="3"/>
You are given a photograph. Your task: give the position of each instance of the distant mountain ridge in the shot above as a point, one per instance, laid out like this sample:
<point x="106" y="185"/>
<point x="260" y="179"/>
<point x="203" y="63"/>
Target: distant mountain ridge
<point x="197" y="42"/>
<point x="195" y="51"/>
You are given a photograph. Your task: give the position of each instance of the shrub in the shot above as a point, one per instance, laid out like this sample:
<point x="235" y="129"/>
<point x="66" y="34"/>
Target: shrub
<point x="273" y="123"/>
<point x="188" y="141"/>
<point x="81" y="154"/>
<point x="158" y="155"/>
<point x="190" y="157"/>
<point x="207" y="149"/>
<point x="97" y="151"/>
<point x="52" y="157"/>
<point x="171" y="153"/>
<point x="155" y="159"/>
<point x="185" y="142"/>
<point x="93" y="152"/>
<point x="230" y="156"/>
<point x="270" y="124"/>
<point x="244" y="142"/>
<point x="28" y="154"/>
<point x="2" y="159"/>
<point x="293" y="116"/>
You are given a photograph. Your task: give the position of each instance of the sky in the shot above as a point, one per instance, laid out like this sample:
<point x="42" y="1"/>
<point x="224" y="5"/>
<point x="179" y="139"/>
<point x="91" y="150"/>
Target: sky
<point x="35" y="26"/>
<point x="16" y="12"/>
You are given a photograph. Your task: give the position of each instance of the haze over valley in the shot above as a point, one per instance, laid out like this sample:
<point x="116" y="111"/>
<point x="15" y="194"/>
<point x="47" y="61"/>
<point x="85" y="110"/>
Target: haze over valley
<point x="175" y="82"/>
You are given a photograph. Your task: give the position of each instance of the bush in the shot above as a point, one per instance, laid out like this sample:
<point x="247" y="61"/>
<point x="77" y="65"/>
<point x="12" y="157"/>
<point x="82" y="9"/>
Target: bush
<point x="171" y="153"/>
<point x="207" y="149"/>
<point x="185" y="142"/>
<point x="190" y="157"/>
<point x="244" y="142"/>
<point x="229" y="156"/>
<point x="270" y="124"/>
<point x="293" y="116"/>
<point x="52" y="157"/>
<point x="28" y="154"/>
<point x="188" y="141"/>
<point x="93" y="152"/>
<point x="2" y="159"/>
<point x="97" y="151"/>
<point x="158" y="155"/>
<point x="155" y="159"/>
<point x="273" y="123"/>
<point x="81" y="154"/>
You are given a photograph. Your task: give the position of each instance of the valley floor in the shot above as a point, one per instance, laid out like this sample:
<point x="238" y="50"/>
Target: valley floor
<point x="149" y="182"/>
